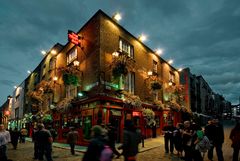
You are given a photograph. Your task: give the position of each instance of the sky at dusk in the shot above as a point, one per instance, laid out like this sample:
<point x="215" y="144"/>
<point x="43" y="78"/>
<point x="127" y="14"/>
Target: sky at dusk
<point x="201" y="34"/>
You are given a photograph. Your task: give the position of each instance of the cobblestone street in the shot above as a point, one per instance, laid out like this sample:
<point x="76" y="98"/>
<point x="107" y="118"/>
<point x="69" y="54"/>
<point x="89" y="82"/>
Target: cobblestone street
<point x="153" y="153"/>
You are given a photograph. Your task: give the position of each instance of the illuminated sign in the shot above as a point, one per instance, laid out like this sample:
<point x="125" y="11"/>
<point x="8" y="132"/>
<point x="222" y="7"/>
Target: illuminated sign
<point x="136" y="113"/>
<point x="74" y="38"/>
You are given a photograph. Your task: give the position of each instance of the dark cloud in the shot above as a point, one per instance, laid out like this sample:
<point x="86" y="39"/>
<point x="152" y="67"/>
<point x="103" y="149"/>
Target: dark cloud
<point x="203" y="35"/>
<point x="5" y="82"/>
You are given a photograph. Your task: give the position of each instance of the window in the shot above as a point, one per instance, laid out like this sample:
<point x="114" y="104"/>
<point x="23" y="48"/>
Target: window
<point x="52" y="63"/>
<point x="72" y="55"/>
<point x="71" y="91"/>
<point x="17" y="112"/>
<point x="17" y="98"/>
<point x="130" y="83"/>
<point x="124" y="46"/>
<point x="155" y="66"/>
<point x="44" y="70"/>
<point x="171" y="77"/>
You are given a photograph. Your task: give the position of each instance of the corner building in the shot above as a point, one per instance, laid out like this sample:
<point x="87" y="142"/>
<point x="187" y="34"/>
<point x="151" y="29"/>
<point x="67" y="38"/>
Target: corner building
<point x="86" y="92"/>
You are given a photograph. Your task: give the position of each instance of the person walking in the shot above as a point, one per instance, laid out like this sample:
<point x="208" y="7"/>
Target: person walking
<point x="35" y="143"/>
<point x="235" y="137"/>
<point x="131" y="139"/>
<point x="187" y="135"/>
<point x="218" y="139"/>
<point x="53" y="133"/>
<point x="14" y="138"/>
<point x="23" y="135"/>
<point x="111" y="139"/>
<point x="177" y="139"/>
<point x="96" y="145"/>
<point x="72" y="138"/>
<point x="168" y="136"/>
<point x="44" y="141"/>
<point x="210" y="133"/>
<point x="5" y="138"/>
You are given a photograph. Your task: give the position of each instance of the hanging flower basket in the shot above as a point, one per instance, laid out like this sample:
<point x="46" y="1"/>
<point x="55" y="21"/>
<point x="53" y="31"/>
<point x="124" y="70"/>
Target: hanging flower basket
<point x="159" y="104"/>
<point x="131" y="99"/>
<point x="70" y="79"/>
<point x="149" y="116"/>
<point x="119" y="69"/>
<point x="156" y="86"/>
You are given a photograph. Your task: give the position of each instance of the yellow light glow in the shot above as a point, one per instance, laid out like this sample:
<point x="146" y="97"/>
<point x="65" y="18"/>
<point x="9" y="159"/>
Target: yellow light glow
<point x="170" y="83"/>
<point x="159" y="51"/>
<point x="150" y="73"/>
<point x="117" y="16"/>
<point x="43" y="52"/>
<point x="115" y="54"/>
<point x="180" y="69"/>
<point x="76" y="63"/>
<point x="53" y="52"/>
<point x="170" y="61"/>
<point x="29" y="71"/>
<point x="55" y="78"/>
<point x="142" y="37"/>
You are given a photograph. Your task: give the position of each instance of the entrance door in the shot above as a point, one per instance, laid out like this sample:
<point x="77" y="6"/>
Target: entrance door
<point x="116" y="122"/>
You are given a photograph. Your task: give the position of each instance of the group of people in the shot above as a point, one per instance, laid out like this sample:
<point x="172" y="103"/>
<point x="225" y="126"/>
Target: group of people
<point x="18" y="136"/>
<point x="195" y="141"/>
<point x="102" y="144"/>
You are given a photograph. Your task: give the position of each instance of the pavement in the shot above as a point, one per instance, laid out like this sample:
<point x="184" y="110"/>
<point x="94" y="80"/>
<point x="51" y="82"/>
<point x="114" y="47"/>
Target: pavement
<point x="153" y="150"/>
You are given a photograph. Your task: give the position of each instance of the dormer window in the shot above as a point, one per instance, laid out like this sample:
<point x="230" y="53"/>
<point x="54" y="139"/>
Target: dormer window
<point x="126" y="47"/>
<point x="71" y="56"/>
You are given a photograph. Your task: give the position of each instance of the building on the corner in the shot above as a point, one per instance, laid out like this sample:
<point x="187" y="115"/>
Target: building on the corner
<point x="5" y="112"/>
<point x="104" y="75"/>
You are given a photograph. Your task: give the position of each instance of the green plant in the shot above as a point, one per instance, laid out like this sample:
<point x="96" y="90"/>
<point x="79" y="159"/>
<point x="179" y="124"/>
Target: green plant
<point x="149" y="116"/>
<point x="70" y="79"/>
<point x="47" y="118"/>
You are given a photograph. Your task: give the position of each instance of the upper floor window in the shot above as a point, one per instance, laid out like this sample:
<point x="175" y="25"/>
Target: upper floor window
<point x="171" y="77"/>
<point x="17" y="98"/>
<point x="130" y="82"/>
<point x="126" y="47"/>
<point x="155" y="66"/>
<point x="71" y="91"/>
<point x="72" y="55"/>
<point x="52" y="63"/>
<point x="44" y="70"/>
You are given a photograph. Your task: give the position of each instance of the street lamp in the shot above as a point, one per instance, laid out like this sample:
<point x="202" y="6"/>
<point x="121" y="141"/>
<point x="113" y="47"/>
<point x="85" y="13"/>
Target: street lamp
<point x="150" y="73"/>
<point x="117" y="17"/>
<point x="76" y="63"/>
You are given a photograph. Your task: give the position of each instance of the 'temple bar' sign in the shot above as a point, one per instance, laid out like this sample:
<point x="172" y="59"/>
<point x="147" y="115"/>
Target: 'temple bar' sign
<point x="74" y="38"/>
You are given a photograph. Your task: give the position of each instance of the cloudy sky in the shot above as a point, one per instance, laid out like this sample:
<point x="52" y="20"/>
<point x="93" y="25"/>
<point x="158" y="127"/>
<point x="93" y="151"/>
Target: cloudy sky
<point x="203" y="35"/>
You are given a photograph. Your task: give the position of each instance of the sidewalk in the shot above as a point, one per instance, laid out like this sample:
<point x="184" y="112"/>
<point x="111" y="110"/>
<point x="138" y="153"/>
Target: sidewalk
<point x="149" y="144"/>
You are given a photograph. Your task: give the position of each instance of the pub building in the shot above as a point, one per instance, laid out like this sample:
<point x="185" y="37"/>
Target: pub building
<point x="103" y="75"/>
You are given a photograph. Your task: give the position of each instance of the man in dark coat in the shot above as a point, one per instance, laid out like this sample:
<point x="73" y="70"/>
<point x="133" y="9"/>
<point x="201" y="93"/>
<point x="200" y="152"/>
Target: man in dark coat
<point x="168" y="136"/>
<point x="210" y="133"/>
<point x="131" y="139"/>
<point x="218" y="139"/>
<point x="111" y="139"/>
<point x="95" y="146"/>
<point x="15" y="134"/>
<point x="44" y="141"/>
<point x="72" y="138"/>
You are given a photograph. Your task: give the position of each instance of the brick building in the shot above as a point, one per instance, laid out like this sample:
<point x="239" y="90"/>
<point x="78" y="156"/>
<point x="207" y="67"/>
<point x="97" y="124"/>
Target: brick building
<point x="103" y="75"/>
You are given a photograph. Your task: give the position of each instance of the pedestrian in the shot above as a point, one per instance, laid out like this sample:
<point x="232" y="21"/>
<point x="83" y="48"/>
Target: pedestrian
<point x="5" y="138"/>
<point x="53" y="133"/>
<point x="235" y="137"/>
<point x="23" y="135"/>
<point x="72" y="138"/>
<point x="177" y="139"/>
<point x="35" y="143"/>
<point x="111" y="139"/>
<point x="131" y="139"/>
<point x="168" y="136"/>
<point x="218" y="139"/>
<point x="15" y="134"/>
<point x="96" y="145"/>
<point x="210" y="133"/>
<point x="44" y="141"/>
<point x="187" y="141"/>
